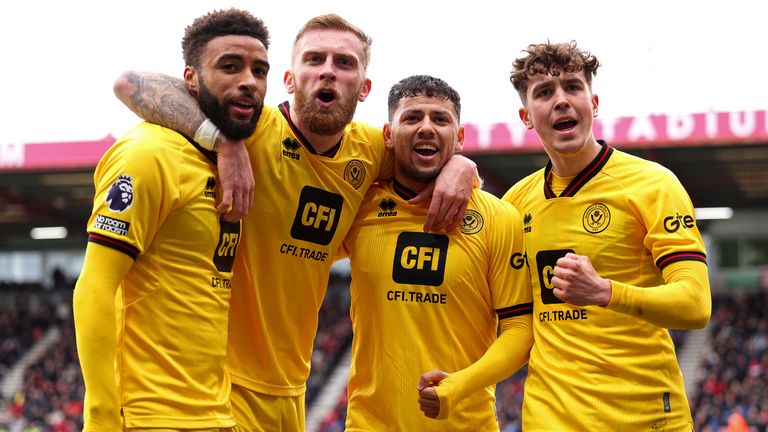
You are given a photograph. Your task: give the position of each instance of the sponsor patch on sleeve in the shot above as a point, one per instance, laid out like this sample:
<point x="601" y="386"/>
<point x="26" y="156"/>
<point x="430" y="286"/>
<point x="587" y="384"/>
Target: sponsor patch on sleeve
<point x="112" y="225"/>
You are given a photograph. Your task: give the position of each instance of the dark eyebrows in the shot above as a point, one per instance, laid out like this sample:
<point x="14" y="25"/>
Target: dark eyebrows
<point x="573" y="80"/>
<point x="263" y="63"/>
<point x="239" y="58"/>
<point x="229" y="57"/>
<point x="441" y="112"/>
<point x="422" y="112"/>
<point x="412" y="111"/>
<point x="541" y="85"/>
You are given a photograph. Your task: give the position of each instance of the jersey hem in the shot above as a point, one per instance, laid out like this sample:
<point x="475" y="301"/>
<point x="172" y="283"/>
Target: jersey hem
<point x="266" y="389"/>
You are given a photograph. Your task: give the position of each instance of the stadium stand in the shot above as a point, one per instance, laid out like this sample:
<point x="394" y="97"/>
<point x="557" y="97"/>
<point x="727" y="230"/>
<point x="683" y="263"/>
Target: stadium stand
<point x="733" y="380"/>
<point x="732" y="384"/>
<point x="47" y="394"/>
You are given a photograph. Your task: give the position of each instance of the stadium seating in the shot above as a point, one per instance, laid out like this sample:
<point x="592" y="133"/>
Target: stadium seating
<point x="734" y="372"/>
<point x="732" y="385"/>
<point x="51" y="393"/>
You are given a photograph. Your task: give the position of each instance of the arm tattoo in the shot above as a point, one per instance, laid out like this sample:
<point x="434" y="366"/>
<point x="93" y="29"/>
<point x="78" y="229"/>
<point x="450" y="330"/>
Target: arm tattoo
<point x="165" y="100"/>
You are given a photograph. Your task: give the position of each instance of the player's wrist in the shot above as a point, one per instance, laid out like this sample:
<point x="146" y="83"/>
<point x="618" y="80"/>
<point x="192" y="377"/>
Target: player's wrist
<point x="207" y="135"/>
<point x="608" y="293"/>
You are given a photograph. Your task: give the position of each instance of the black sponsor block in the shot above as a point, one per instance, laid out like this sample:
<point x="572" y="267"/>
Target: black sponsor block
<point x="420" y="258"/>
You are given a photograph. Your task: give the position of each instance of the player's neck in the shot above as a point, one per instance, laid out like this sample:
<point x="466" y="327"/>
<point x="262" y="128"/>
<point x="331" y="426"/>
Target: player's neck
<point x="570" y="164"/>
<point x="414" y="186"/>
<point x="320" y="143"/>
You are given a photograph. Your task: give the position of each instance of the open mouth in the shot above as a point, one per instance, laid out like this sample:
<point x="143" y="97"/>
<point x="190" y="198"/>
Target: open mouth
<point x="565" y="125"/>
<point x="425" y="150"/>
<point x="326" y="96"/>
<point x="243" y="105"/>
<point x="243" y="108"/>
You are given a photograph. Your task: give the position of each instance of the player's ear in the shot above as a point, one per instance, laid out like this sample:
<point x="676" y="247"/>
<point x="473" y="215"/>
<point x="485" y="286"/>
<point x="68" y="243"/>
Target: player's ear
<point x="365" y="90"/>
<point x="459" y="146"/>
<point x="191" y="78"/>
<point x="526" y="118"/>
<point x="595" y="103"/>
<point x="387" y="132"/>
<point x="290" y="87"/>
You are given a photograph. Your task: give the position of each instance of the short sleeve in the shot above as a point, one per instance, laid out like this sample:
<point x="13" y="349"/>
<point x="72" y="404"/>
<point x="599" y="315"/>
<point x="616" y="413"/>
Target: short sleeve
<point x="136" y="187"/>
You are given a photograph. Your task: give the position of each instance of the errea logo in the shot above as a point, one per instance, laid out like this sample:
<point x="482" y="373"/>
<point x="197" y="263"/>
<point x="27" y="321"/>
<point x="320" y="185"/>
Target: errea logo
<point x="527" y="222"/>
<point x="387" y="206"/>
<point x="291" y="148"/>
<point x="210" y="187"/>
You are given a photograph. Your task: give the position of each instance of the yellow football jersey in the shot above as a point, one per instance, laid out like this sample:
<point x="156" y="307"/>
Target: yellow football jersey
<point x="422" y="301"/>
<point x="155" y="201"/>
<point x="303" y="207"/>
<point x="591" y="368"/>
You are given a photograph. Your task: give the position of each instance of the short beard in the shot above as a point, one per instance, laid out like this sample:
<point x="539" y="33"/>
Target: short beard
<point x="323" y="121"/>
<point x="217" y="113"/>
<point x="422" y="176"/>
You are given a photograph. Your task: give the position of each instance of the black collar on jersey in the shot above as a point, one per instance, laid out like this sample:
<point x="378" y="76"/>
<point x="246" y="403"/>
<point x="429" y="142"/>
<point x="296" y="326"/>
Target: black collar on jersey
<point x="402" y="191"/>
<point x="285" y="109"/>
<point x="582" y="178"/>
<point x="211" y="156"/>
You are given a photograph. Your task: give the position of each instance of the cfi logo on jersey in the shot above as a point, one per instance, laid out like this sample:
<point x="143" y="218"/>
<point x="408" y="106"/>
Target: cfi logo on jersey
<point x="120" y="194"/>
<point x="420" y="258"/>
<point x="472" y="222"/>
<point x="354" y="173"/>
<point x="387" y="206"/>
<point x="596" y="218"/>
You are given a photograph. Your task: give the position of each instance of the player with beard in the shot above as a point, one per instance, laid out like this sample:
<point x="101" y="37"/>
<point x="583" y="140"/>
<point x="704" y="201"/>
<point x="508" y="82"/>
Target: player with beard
<point x="158" y="264"/>
<point x="425" y="301"/>
<point x="313" y="166"/>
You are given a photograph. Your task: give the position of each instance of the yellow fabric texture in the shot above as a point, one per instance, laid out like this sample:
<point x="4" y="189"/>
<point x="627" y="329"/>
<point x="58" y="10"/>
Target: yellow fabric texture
<point x="612" y="368"/>
<point x="505" y="356"/>
<point x="155" y="202"/>
<point x="684" y="301"/>
<point x="95" y="318"/>
<point x="423" y="301"/>
<point x="303" y="206"/>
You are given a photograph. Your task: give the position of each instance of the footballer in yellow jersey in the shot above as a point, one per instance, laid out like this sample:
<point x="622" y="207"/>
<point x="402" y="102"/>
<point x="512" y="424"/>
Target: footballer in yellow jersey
<point x="151" y="304"/>
<point x="431" y="302"/>
<point x="305" y="205"/>
<point x="633" y="219"/>
<point x="173" y="303"/>
<point x="616" y="260"/>
<point x="422" y="301"/>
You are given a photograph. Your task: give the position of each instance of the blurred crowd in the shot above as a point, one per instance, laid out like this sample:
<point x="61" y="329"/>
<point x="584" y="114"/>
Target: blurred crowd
<point x="51" y="394"/>
<point x="731" y="395"/>
<point x="733" y="382"/>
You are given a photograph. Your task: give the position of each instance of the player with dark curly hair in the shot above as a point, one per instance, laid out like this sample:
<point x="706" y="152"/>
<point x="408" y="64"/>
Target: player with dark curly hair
<point x="159" y="260"/>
